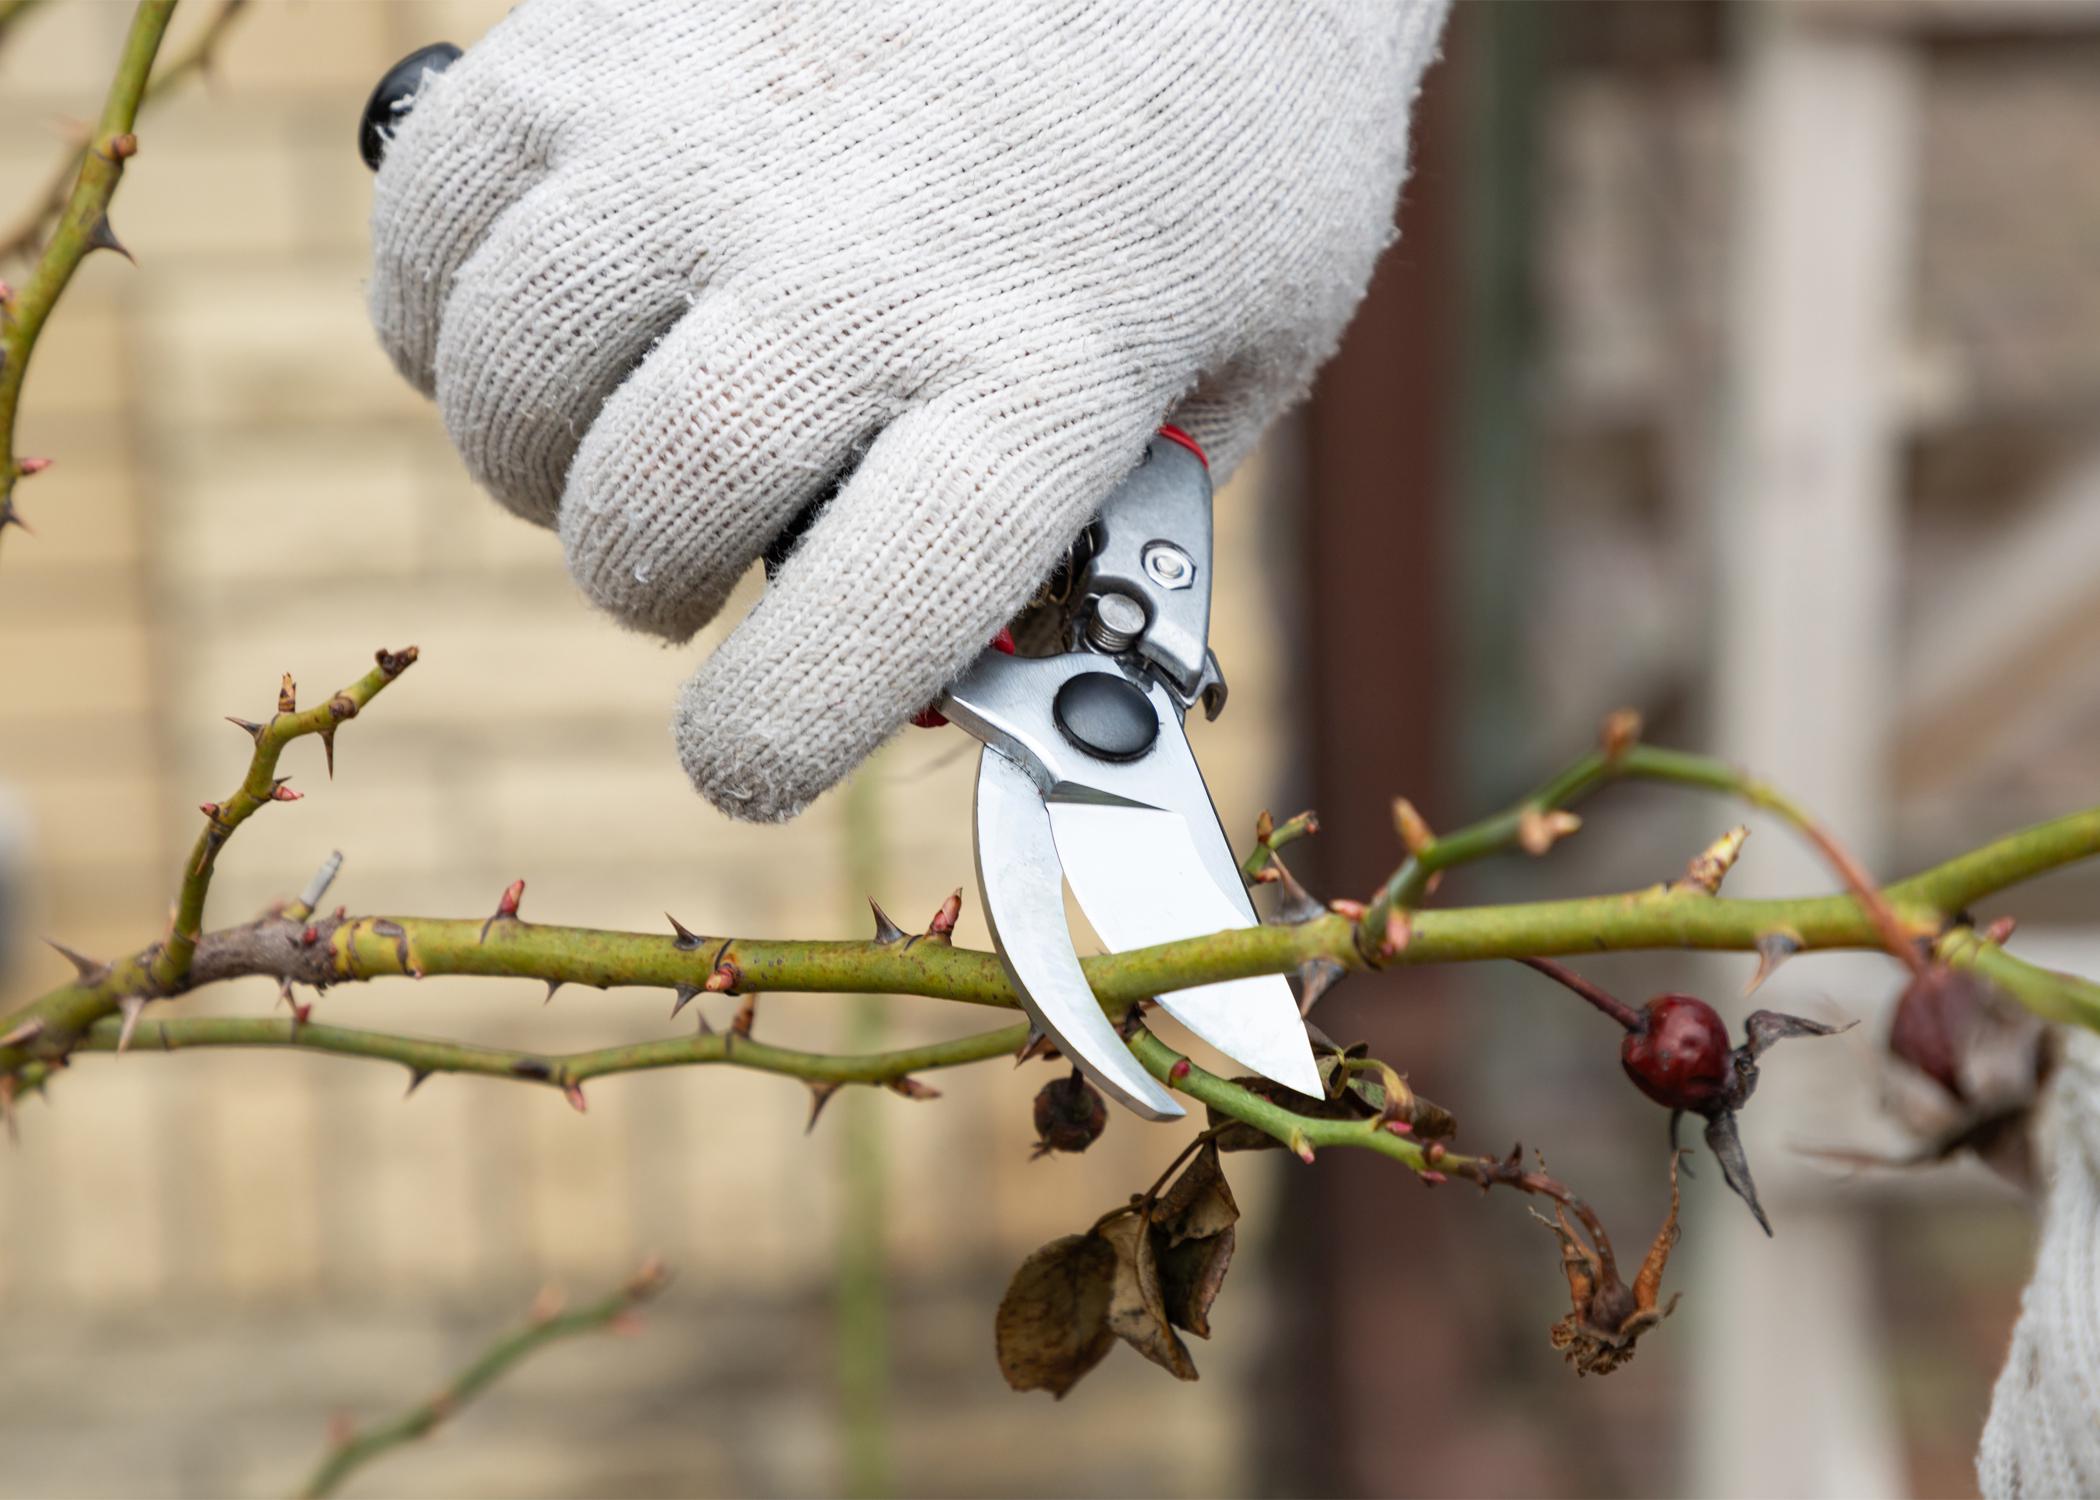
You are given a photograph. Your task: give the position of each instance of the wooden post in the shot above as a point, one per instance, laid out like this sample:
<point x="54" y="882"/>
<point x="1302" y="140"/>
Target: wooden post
<point x="1808" y="527"/>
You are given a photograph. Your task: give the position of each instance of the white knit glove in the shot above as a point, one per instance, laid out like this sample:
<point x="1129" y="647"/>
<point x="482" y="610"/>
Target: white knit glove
<point x="670" y="268"/>
<point x="2043" y="1436"/>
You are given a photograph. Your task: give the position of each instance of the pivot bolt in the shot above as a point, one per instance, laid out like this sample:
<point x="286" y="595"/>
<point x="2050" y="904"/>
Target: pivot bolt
<point x="1117" y="621"/>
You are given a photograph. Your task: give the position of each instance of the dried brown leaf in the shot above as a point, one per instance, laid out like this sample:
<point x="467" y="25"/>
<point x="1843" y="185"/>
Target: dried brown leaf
<point x="1137" y="1307"/>
<point x="1052" y="1326"/>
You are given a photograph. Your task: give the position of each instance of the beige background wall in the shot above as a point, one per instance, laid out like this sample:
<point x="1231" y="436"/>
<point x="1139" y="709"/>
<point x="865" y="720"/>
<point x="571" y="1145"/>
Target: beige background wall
<point x="212" y="1252"/>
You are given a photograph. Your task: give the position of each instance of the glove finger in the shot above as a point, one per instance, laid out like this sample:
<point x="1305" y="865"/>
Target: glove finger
<point x="705" y="454"/>
<point x="1228" y="411"/>
<point x="956" y="514"/>
<point x="562" y="300"/>
<point x="474" y="145"/>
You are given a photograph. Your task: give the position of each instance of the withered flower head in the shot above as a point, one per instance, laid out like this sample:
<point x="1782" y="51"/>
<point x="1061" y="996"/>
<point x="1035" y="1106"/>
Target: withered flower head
<point x="1607" y="1317"/>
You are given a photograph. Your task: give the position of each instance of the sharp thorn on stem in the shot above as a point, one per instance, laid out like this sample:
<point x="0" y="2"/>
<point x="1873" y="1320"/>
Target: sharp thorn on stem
<point x="91" y="971"/>
<point x="819" y="1096"/>
<point x="416" y="1079"/>
<point x="1773" y="949"/>
<point x="132" y="1006"/>
<point x="28" y="1031"/>
<point x="681" y="997"/>
<point x="886" y="931"/>
<point x="685" y="941"/>
<point x="555" y="984"/>
<point x="103" y="237"/>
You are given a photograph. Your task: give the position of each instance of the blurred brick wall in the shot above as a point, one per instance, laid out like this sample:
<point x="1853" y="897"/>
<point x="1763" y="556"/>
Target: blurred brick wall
<point x="243" y="488"/>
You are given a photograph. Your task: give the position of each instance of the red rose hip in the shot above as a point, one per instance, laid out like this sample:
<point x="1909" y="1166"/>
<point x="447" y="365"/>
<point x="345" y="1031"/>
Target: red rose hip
<point x="1679" y="1054"/>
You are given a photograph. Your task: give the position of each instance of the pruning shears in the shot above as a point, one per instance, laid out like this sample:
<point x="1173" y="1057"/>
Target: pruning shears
<point x="1086" y="776"/>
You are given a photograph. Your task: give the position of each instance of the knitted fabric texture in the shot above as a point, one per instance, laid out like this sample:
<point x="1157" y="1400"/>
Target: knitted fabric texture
<point x="672" y="269"/>
<point x="2043" y="1435"/>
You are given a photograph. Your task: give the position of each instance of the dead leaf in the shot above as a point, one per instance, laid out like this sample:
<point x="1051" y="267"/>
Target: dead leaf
<point x="1053" y="1322"/>
<point x="1200" y="1202"/>
<point x="1137" y="1308"/>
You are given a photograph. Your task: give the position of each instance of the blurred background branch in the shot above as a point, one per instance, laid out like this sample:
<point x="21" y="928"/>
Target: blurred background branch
<point x="549" y="1323"/>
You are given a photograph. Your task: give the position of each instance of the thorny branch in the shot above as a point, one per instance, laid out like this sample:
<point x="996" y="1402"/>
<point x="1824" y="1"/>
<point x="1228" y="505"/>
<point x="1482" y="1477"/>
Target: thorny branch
<point x="352" y="1449"/>
<point x="298" y="946"/>
<point x="1368" y="1106"/>
<point x="83" y="227"/>
<point x="20" y="242"/>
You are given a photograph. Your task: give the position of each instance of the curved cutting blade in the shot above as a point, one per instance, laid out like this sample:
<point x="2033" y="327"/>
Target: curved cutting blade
<point x="1019" y="874"/>
<point x="1163" y="871"/>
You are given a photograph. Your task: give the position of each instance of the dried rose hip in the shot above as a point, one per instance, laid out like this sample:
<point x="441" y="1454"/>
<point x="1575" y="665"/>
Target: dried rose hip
<point x="1070" y="1115"/>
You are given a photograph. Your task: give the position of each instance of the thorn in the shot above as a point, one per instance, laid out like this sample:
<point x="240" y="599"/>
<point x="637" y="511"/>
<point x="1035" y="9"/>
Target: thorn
<point x="2000" y="932"/>
<point x="28" y="1031"/>
<point x="681" y="998"/>
<point x="942" y="928"/>
<point x="1412" y="826"/>
<point x="1179" y="1071"/>
<point x="1622" y="731"/>
<point x="254" y="729"/>
<point x="287" y="695"/>
<point x="89" y="969"/>
<point x="573" y="1092"/>
<point x="1316" y="976"/>
<point x="11" y="516"/>
<point x="1539" y="829"/>
<point x="886" y="931"/>
<point x="132" y="1006"/>
<point x="328" y="750"/>
<point x="1038" y="1045"/>
<point x="1773" y="949"/>
<point x="1711" y="866"/>
<point x="103" y="237"/>
<point x="740" y="1024"/>
<point x="555" y="984"/>
<point x="416" y="1079"/>
<point x="26" y="468"/>
<point x="819" y="1096"/>
<point x="686" y="941"/>
<point x="911" y="1088"/>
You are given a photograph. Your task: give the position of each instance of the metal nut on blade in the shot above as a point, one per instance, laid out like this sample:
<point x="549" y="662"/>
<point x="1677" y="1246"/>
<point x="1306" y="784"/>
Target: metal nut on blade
<point x="1117" y="621"/>
<point x="1168" y="566"/>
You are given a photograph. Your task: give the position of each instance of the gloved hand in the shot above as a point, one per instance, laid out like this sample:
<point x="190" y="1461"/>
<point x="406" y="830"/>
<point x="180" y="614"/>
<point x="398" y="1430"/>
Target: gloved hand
<point x="2043" y="1436"/>
<point x="670" y="269"/>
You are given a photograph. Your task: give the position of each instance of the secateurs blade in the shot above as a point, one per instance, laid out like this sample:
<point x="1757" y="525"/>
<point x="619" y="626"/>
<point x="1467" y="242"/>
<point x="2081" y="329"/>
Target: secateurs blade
<point x="1087" y="778"/>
